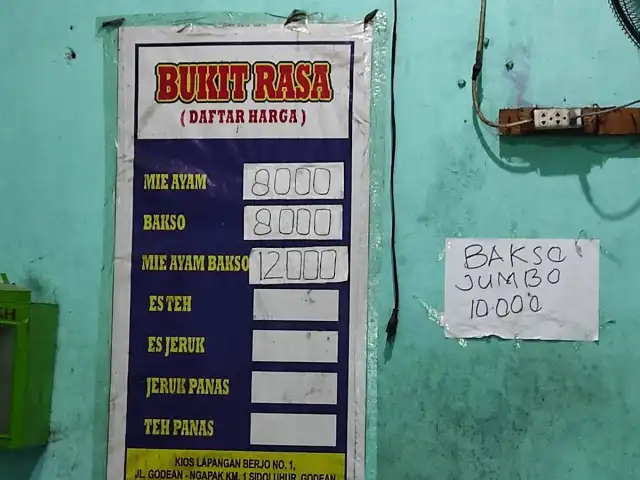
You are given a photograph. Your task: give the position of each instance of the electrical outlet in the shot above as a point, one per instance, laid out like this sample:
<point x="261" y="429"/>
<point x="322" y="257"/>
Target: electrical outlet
<point x="557" y="118"/>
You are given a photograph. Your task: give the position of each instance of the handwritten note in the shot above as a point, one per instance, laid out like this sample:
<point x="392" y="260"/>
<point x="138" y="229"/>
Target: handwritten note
<point x="522" y="289"/>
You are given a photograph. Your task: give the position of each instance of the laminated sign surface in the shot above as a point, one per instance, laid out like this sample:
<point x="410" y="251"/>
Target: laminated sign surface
<point x="239" y="334"/>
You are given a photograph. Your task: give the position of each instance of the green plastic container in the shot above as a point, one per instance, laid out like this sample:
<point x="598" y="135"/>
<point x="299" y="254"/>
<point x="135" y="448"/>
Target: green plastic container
<point x="28" y="334"/>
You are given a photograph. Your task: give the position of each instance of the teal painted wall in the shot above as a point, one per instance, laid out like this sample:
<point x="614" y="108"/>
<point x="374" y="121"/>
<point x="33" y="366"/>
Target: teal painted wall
<point x="446" y="411"/>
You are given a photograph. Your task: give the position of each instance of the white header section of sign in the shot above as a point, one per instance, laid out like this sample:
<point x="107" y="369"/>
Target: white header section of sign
<point x="225" y="91"/>
<point x="522" y="289"/>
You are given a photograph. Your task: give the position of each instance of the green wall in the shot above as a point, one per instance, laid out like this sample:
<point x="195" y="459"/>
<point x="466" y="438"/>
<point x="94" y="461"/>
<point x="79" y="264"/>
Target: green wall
<point x="446" y="411"/>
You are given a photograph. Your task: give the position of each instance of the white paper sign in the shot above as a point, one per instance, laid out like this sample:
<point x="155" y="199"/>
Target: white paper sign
<point x="540" y="289"/>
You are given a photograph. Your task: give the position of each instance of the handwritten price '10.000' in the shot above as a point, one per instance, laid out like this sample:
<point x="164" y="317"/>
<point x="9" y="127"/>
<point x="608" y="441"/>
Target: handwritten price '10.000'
<point x="304" y="222"/>
<point x="504" y="307"/>
<point x="298" y="265"/>
<point x="295" y="181"/>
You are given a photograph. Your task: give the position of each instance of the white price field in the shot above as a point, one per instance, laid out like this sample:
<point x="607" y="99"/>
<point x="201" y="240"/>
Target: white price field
<point x="296" y="222"/>
<point x="293" y="181"/>
<point x="273" y="266"/>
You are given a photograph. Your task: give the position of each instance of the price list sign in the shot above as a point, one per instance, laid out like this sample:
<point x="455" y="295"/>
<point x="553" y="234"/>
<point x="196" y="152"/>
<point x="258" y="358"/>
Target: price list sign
<point x="239" y="319"/>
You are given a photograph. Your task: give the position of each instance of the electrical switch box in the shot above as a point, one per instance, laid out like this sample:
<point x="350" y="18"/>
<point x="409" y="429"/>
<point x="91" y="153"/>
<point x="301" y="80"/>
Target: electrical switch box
<point x="28" y="334"/>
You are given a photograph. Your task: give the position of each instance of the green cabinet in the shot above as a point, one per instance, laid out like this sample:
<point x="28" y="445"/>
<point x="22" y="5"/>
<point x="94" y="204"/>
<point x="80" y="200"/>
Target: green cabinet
<point x="27" y="355"/>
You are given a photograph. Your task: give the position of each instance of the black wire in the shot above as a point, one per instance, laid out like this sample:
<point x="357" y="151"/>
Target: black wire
<point x="392" y="325"/>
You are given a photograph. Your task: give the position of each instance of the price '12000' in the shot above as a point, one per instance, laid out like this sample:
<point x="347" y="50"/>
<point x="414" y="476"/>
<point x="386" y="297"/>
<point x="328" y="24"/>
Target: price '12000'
<point x="298" y="265"/>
